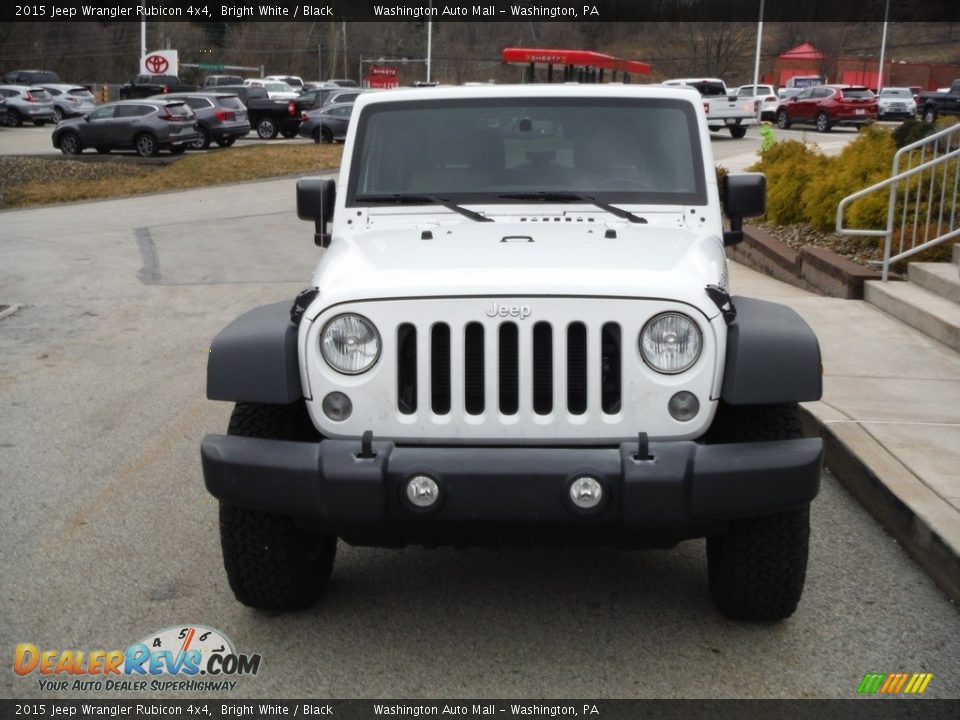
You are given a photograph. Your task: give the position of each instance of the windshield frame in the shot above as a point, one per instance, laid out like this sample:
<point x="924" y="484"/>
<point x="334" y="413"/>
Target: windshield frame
<point x="496" y="196"/>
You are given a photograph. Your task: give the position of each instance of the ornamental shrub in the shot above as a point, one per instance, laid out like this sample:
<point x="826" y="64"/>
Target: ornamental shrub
<point x="790" y="167"/>
<point x="863" y="162"/>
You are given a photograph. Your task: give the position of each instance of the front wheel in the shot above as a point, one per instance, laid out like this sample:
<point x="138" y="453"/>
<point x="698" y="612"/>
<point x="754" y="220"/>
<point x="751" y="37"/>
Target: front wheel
<point x="757" y="567"/>
<point x="783" y="120"/>
<point x="266" y="129"/>
<point x="823" y="122"/>
<point x="738" y="131"/>
<point x="146" y="145"/>
<point x="70" y="144"/>
<point x="272" y="563"/>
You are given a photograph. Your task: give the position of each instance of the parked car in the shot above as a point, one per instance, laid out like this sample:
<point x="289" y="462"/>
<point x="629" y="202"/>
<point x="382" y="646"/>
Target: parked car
<point x="945" y="101"/>
<point x="217" y="80"/>
<point x="896" y="102"/>
<point x="767" y="97"/>
<point x="70" y="100"/>
<point x="147" y="126"/>
<point x="31" y="77"/>
<point x="143" y="86"/>
<point x="3" y="110"/>
<point x="268" y="117"/>
<point x="326" y="124"/>
<point x="276" y="89"/>
<point x="314" y="98"/>
<point x="342" y="82"/>
<point x="344" y="96"/>
<point x="26" y="103"/>
<point x="221" y="116"/>
<point x="293" y="81"/>
<point x="825" y="106"/>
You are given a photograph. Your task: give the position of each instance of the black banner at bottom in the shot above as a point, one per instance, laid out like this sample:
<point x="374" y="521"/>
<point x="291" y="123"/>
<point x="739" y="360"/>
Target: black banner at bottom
<point x="867" y="709"/>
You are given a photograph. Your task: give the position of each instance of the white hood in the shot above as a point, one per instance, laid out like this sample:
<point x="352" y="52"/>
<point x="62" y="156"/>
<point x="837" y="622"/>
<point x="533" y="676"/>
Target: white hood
<point x="458" y="258"/>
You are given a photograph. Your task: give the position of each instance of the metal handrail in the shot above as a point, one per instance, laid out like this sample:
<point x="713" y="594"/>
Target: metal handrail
<point x="893" y="181"/>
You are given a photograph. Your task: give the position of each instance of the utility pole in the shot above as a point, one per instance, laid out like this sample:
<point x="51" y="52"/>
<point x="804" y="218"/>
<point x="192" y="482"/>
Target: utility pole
<point x="883" y="47"/>
<point x="344" y="24"/>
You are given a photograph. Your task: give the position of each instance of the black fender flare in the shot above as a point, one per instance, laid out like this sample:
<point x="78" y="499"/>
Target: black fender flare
<point x="254" y="358"/>
<point x="772" y="356"/>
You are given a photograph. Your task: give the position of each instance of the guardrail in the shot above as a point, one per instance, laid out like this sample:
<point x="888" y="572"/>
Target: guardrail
<point x="923" y="196"/>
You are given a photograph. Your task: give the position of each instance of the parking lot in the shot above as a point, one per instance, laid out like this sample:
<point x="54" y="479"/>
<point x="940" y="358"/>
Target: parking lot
<point x="108" y="534"/>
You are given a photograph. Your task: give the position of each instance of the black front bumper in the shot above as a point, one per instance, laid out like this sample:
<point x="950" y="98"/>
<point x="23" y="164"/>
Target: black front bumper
<point x="682" y="489"/>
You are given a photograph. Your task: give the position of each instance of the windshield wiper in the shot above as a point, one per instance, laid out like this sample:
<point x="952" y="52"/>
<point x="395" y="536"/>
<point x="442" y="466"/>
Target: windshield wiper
<point x="406" y="199"/>
<point x="547" y="196"/>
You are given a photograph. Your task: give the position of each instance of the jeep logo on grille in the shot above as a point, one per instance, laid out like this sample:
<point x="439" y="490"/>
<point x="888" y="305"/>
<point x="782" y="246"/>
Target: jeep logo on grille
<point x="517" y="311"/>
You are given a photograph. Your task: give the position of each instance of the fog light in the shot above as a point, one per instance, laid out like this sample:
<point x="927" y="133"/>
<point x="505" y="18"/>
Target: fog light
<point x="337" y="406"/>
<point x="586" y="492"/>
<point x="422" y="491"/>
<point x="683" y="406"/>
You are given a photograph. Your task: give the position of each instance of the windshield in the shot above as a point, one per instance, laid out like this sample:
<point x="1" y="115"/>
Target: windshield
<point x="485" y="150"/>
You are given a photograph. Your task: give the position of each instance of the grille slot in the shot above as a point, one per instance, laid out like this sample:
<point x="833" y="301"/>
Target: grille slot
<point x="542" y="368"/>
<point x="610" y="363"/>
<point x="440" y="368"/>
<point x="473" y="374"/>
<point x="577" y="368"/>
<point x="407" y="369"/>
<point x="509" y="369"/>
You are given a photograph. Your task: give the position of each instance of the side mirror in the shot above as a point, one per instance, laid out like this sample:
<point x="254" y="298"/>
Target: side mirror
<point x="743" y="195"/>
<point x="315" y="200"/>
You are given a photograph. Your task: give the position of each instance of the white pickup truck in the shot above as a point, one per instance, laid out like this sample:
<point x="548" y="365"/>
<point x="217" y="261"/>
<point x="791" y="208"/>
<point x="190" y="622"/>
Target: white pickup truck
<point x="723" y="107"/>
<point x="519" y="331"/>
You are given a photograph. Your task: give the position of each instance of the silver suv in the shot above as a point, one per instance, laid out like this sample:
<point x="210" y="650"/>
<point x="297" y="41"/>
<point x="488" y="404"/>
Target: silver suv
<point x="70" y="100"/>
<point x="221" y="116"/>
<point x="27" y="104"/>
<point x="146" y="126"/>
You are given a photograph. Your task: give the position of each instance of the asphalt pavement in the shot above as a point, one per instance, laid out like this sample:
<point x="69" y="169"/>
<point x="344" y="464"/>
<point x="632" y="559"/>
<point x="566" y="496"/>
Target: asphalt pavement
<point x="107" y="534"/>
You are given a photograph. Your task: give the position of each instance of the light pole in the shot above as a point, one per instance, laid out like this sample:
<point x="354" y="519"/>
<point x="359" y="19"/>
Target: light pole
<point x="883" y="46"/>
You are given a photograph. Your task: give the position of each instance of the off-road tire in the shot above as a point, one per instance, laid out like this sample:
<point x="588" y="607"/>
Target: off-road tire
<point x="757" y="566"/>
<point x="273" y="564"/>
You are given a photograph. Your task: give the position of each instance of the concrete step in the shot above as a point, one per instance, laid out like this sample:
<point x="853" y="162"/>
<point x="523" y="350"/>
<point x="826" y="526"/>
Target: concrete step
<point x="955" y="259"/>
<point x="940" y="278"/>
<point x="919" y="308"/>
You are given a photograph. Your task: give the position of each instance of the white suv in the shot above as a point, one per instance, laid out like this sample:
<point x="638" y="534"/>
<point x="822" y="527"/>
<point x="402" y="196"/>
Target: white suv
<point x="520" y="331"/>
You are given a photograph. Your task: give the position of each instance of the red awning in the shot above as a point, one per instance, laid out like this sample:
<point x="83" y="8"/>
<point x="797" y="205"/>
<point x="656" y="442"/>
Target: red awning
<point x="582" y="58"/>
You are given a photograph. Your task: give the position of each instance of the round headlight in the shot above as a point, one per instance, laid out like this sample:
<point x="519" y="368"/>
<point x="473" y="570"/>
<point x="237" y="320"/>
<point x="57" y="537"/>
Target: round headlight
<point x="670" y="343"/>
<point x="350" y="344"/>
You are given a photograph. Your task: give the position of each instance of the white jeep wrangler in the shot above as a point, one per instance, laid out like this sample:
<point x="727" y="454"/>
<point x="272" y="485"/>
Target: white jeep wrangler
<point x="519" y="331"/>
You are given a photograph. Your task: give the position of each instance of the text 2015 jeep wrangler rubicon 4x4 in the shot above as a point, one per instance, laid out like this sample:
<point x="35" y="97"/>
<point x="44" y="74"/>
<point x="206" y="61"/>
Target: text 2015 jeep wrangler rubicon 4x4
<point x="519" y="331"/>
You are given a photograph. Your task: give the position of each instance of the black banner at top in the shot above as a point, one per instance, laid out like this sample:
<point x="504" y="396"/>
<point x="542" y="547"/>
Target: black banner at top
<point x="482" y="10"/>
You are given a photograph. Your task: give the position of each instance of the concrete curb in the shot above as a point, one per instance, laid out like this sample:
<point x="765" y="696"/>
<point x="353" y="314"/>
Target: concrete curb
<point x="923" y="523"/>
<point x="812" y="268"/>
